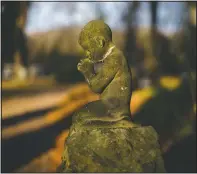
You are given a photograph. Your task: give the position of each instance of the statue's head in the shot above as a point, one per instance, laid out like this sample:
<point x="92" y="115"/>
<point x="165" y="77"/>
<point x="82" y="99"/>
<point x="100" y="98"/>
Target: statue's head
<point x="95" y="39"/>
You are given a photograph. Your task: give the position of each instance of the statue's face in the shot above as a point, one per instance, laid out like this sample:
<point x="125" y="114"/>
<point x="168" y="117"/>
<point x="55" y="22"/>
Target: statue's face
<point x="94" y="48"/>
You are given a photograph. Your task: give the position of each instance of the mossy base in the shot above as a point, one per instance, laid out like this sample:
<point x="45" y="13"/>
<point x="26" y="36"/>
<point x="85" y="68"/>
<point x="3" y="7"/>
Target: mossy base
<point x="122" y="148"/>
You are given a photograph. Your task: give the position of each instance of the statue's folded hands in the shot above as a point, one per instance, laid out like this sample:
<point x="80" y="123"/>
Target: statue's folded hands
<point x="85" y="65"/>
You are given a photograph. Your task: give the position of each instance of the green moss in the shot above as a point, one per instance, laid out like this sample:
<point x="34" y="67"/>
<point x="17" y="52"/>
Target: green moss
<point x="95" y="28"/>
<point x="102" y="137"/>
<point x="107" y="71"/>
<point x="113" y="150"/>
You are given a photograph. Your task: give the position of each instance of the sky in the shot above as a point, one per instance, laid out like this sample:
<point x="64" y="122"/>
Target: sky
<point x="44" y="16"/>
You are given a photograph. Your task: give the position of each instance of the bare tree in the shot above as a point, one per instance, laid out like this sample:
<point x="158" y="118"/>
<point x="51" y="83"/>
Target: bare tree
<point x="153" y="9"/>
<point x="14" y="44"/>
<point x="9" y="15"/>
<point x="130" y="41"/>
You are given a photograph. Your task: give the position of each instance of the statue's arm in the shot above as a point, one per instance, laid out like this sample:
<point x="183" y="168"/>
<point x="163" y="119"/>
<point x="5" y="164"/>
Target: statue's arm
<point x="98" y="82"/>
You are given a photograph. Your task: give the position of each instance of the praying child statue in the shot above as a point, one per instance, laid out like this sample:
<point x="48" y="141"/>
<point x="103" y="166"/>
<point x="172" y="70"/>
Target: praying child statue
<point x="103" y="137"/>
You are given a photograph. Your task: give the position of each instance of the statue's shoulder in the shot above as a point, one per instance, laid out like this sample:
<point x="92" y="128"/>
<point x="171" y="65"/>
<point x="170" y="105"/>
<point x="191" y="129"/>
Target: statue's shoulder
<point x="115" y="57"/>
<point x="116" y="51"/>
<point x="118" y="57"/>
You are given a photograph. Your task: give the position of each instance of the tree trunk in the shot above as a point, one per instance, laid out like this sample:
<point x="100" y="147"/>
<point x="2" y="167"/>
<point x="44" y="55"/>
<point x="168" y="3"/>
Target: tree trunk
<point x="154" y="68"/>
<point x="130" y="41"/>
<point x="13" y="37"/>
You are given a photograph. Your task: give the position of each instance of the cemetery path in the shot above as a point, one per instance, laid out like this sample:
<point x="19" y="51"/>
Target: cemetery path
<point x="34" y="134"/>
<point x="22" y="104"/>
<point x="26" y="131"/>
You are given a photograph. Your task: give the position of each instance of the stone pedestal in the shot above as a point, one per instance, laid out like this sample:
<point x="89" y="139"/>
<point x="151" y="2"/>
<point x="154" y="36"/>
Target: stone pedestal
<point x="118" y="146"/>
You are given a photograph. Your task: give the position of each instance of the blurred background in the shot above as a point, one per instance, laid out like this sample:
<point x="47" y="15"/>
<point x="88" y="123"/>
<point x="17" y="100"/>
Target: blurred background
<point x="41" y="87"/>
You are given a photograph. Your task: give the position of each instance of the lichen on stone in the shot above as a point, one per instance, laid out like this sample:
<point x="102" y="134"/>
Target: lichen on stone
<point x="102" y="137"/>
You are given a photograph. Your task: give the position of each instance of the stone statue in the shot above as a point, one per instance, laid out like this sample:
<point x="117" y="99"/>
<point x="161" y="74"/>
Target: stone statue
<point x="103" y="137"/>
<point x="106" y="70"/>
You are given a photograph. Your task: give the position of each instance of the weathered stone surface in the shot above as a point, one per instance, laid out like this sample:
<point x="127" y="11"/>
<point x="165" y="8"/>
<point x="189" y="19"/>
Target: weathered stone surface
<point x="103" y="138"/>
<point x="113" y="150"/>
<point x="120" y="146"/>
